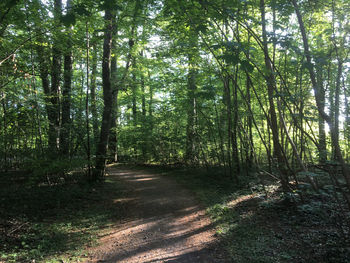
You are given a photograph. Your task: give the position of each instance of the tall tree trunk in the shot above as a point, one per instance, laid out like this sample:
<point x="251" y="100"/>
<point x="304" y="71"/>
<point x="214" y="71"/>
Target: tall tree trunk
<point x="321" y="125"/>
<point x="271" y="82"/>
<point x="337" y="100"/>
<point x="44" y="76"/>
<point x="228" y="104"/>
<point x="4" y="128"/>
<point x="54" y="106"/>
<point x="102" y="146"/>
<point x="134" y="93"/>
<point x="347" y="120"/>
<point x="113" y="133"/>
<point x="324" y="115"/>
<point x="331" y="98"/>
<point x="143" y="98"/>
<point x="87" y="113"/>
<point x="93" y="75"/>
<point x="150" y="103"/>
<point x="145" y="130"/>
<point x="234" y="131"/>
<point x="250" y="118"/>
<point x="66" y="94"/>
<point x="191" y="151"/>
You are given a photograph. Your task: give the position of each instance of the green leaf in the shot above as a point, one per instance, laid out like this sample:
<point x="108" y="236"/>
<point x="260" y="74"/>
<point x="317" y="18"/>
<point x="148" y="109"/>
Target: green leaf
<point x="230" y="58"/>
<point x="81" y="10"/>
<point x="216" y="46"/>
<point x="307" y="65"/>
<point x="202" y="28"/>
<point x="69" y="19"/>
<point x="11" y="3"/>
<point x="245" y="65"/>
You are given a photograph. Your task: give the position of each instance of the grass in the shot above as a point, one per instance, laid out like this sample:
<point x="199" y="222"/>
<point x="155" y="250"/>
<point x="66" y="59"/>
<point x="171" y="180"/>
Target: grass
<point x="55" y="223"/>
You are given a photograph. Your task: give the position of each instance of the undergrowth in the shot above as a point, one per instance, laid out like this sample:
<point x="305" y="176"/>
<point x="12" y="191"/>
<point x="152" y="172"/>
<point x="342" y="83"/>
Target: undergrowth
<point x="54" y="223"/>
<point x="257" y="224"/>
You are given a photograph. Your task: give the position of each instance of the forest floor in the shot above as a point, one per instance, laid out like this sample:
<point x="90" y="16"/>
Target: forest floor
<point x="162" y="214"/>
<point x="165" y="223"/>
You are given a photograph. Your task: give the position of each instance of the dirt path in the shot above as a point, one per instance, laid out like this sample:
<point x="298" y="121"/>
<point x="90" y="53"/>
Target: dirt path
<point x="165" y="224"/>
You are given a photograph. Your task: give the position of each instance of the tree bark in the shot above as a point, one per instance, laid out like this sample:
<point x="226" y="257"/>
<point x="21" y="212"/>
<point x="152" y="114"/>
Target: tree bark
<point x="66" y="94"/>
<point x="270" y="79"/>
<point x="102" y="146"/>
<point x="191" y="155"/>
<point x="235" y="153"/>
<point x="113" y="152"/>
<point x="54" y="107"/>
<point x="321" y="125"/>
<point x="324" y="115"/>
<point x="93" y="107"/>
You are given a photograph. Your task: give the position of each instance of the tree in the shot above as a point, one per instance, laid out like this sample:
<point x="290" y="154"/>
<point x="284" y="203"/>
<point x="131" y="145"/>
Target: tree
<point x="102" y="146"/>
<point x="66" y="91"/>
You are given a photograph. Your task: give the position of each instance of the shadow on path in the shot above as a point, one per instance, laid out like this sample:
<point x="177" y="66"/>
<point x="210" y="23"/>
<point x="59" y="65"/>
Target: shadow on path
<point x="165" y="224"/>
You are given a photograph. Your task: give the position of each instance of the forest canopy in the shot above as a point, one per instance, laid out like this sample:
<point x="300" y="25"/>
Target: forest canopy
<point x="247" y="86"/>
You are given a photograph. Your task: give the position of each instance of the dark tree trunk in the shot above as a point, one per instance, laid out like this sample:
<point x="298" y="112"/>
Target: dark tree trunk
<point x="250" y="119"/>
<point x="270" y="79"/>
<point x="54" y="106"/>
<point x="66" y="95"/>
<point x="191" y="151"/>
<point x="347" y="120"/>
<point x="321" y="125"/>
<point x="102" y="146"/>
<point x="93" y="107"/>
<point x="234" y="131"/>
<point x="337" y="100"/>
<point x="134" y="93"/>
<point x="113" y="151"/>
<point x="227" y="102"/>
<point x="324" y="115"/>
<point x="145" y="130"/>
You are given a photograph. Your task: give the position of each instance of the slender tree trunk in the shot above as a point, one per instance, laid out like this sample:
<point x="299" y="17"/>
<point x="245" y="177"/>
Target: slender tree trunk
<point x="337" y="100"/>
<point x="134" y="94"/>
<point x="249" y="121"/>
<point x="347" y="120"/>
<point x="87" y="117"/>
<point x="150" y="103"/>
<point x="145" y="130"/>
<point x="113" y="133"/>
<point x="102" y="146"/>
<point x="66" y="95"/>
<point x="270" y="79"/>
<point x="191" y="147"/>
<point x="228" y="104"/>
<point x="4" y="108"/>
<point x="45" y="83"/>
<point x="143" y="96"/>
<point x="93" y="75"/>
<point x="331" y="98"/>
<point x="234" y="131"/>
<point x="54" y="106"/>
<point x="324" y="115"/>
<point x="321" y="125"/>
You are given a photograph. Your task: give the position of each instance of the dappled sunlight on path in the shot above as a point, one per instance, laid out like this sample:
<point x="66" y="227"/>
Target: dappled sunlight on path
<point x="165" y="224"/>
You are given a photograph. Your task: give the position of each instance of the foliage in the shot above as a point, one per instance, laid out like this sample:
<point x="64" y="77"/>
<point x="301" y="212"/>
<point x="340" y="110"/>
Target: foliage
<point x="48" y="224"/>
<point x="237" y="86"/>
<point x="256" y="226"/>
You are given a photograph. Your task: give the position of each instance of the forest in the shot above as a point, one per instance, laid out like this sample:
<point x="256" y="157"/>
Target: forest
<point x="230" y="98"/>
